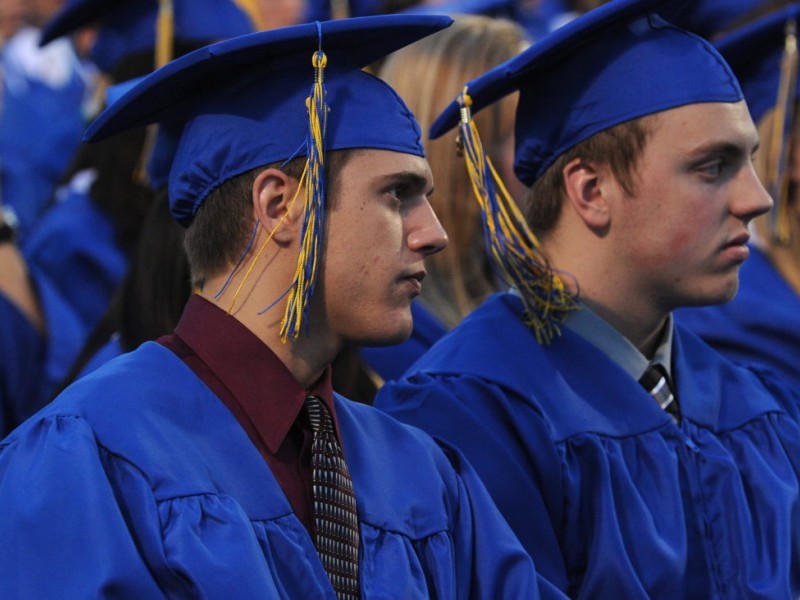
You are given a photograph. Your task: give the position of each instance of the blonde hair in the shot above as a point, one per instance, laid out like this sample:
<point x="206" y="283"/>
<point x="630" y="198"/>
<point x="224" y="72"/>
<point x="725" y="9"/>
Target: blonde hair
<point x="428" y="75"/>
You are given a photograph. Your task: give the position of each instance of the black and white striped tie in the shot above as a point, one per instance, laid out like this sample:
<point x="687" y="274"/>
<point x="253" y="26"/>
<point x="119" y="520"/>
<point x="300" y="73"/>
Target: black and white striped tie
<point x="335" y="514"/>
<point x="656" y="381"/>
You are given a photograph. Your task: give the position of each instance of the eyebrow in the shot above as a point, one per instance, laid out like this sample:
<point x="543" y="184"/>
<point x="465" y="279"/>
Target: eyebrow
<point x="411" y="178"/>
<point x="729" y="149"/>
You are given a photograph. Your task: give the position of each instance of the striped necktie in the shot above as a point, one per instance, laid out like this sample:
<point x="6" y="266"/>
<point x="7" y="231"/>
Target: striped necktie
<point x="335" y="515"/>
<point x="656" y="381"/>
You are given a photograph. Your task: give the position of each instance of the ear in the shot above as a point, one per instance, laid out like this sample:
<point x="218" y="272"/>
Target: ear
<point x="273" y="192"/>
<point x="584" y="183"/>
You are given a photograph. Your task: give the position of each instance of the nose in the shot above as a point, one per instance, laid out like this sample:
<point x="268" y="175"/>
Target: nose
<point x="751" y="199"/>
<point x="426" y="234"/>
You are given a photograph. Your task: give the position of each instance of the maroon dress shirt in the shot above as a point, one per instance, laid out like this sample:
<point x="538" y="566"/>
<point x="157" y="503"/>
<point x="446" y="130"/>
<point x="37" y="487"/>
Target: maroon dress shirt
<point x="260" y="392"/>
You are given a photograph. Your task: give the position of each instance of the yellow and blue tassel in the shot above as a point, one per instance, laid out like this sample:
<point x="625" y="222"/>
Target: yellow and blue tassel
<point x="314" y="218"/>
<point x="513" y="249"/>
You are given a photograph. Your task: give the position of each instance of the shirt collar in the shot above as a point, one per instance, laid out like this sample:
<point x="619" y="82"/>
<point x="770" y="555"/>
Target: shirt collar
<point x="591" y="327"/>
<point x="255" y="376"/>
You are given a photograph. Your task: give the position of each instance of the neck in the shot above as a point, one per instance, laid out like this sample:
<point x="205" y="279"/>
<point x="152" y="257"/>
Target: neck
<point x="611" y="297"/>
<point x="306" y="358"/>
<point x="644" y="334"/>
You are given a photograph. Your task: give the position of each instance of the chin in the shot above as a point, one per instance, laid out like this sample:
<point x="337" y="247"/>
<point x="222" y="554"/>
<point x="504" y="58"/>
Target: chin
<point x="721" y="295"/>
<point x="388" y="335"/>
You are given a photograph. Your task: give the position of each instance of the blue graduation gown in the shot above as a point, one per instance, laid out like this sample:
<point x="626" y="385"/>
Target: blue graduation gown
<point x="137" y="482"/>
<point x="66" y="334"/>
<point x="41" y="121"/>
<point x="34" y="365"/>
<point x="611" y="497"/>
<point x="74" y="246"/>
<point x="760" y="326"/>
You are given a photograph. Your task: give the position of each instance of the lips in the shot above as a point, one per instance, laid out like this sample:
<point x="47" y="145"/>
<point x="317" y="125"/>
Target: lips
<point x="736" y="248"/>
<point x="415" y="281"/>
<point x="739" y="240"/>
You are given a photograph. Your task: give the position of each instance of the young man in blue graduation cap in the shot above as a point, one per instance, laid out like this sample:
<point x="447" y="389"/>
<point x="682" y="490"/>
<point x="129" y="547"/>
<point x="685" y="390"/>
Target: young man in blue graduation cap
<point x="76" y="256"/>
<point x="761" y="325"/>
<point x="217" y="462"/>
<point x="630" y="458"/>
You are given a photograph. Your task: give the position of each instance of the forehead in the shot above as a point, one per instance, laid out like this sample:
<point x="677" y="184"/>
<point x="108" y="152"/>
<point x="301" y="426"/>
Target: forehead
<point x="704" y="124"/>
<point x="375" y="164"/>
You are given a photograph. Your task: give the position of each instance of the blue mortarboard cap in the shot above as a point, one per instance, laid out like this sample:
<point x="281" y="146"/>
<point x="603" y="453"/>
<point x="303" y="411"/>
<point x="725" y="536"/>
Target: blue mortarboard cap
<point x="755" y="52"/>
<point x="255" y="113"/>
<point x="613" y="64"/>
<point x="129" y="26"/>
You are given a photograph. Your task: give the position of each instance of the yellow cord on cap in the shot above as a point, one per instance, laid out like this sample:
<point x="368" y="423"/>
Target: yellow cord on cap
<point x="512" y="247"/>
<point x="777" y="181"/>
<point x="313" y="221"/>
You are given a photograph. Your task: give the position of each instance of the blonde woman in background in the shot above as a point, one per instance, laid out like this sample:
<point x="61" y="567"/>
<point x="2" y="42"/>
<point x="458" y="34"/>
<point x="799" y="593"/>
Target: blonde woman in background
<point x="427" y="75"/>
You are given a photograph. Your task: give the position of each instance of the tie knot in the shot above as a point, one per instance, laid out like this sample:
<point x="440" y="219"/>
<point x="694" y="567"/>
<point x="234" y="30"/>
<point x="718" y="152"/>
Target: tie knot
<point x="656" y="381"/>
<point x="318" y="415"/>
<point x="654" y="378"/>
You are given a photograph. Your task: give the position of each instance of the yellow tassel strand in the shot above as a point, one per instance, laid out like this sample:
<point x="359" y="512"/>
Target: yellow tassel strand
<point x="778" y="182"/>
<point x="313" y="223"/>
<point x="513" y="248"/>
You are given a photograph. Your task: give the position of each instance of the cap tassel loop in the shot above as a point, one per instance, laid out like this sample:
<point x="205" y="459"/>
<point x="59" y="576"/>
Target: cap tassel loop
<point x="313" y="220"/>
<point x="778" y="182"/>
<point x="513" y="248"/>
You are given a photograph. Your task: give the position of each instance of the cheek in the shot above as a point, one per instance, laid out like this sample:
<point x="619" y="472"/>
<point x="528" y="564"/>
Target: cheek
<point x="662" y="239"/>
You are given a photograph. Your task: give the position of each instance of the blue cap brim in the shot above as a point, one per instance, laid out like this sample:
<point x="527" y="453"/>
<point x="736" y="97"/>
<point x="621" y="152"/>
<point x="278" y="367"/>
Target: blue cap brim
<point x="242" y="103"/>
<point x="568" y="39"/>
<point x="172" y="91"/>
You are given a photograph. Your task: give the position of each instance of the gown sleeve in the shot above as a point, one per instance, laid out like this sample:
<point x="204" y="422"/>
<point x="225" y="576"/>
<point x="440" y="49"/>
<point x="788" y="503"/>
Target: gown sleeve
<point x="63" y="532"/>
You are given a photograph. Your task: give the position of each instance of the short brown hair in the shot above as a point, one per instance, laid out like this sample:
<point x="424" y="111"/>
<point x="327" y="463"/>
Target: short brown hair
<point x="619" y="147"/>
<point x="221" y="229"/>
